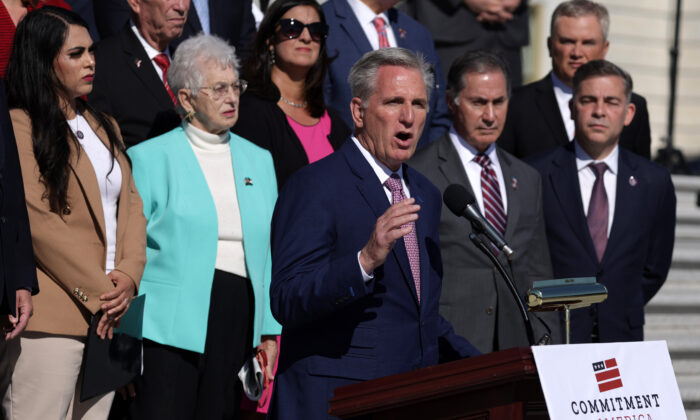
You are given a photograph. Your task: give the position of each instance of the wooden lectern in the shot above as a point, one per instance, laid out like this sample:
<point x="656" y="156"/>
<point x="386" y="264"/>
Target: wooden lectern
<point x="501" y="385"/>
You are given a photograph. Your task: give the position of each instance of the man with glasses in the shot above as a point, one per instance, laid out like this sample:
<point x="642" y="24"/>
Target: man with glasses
<point x="132" y="66"/>
<point x="360" y="26"/>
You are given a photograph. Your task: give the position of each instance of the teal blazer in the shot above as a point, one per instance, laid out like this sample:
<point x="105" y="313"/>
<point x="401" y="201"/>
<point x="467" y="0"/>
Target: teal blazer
<point x="182" y="235"/>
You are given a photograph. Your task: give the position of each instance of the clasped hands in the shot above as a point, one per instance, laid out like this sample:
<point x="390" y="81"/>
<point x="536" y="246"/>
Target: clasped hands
<point x="116" y="303"/>
<point x="493" y="11"/>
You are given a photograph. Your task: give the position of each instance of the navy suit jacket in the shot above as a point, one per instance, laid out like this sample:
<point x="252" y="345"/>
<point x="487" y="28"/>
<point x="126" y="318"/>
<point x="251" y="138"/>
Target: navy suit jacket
<point x="337" y="329"/>
<point x="17" y="269"/>
<point x="348" y="43"/>
<point x="640" y="244"/>
<point x="534" y="124"/>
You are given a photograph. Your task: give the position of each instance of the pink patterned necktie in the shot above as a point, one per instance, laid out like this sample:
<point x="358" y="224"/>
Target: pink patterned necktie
<point x="163" y="62"/>
<point x="597" y="216"/>
<point x="380" y="26"/>
<point x="493" y="202"/>
<point x="410" y="239"/>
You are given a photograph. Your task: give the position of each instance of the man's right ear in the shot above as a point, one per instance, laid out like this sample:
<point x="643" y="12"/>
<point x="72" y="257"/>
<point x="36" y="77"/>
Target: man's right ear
<point x="357" y="112"/>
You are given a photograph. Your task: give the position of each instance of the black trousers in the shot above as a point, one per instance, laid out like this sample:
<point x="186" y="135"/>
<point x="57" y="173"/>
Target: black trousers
<point x="180" y="384"/>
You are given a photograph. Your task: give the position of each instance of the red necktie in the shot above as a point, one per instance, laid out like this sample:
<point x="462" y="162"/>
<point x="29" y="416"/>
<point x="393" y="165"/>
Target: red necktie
<point x="597" y="216"/>
<point x="410" y="239"/>
<point x="493" y="203"/>
<point x="163" y="62"/>
<point x="380" y="26"/>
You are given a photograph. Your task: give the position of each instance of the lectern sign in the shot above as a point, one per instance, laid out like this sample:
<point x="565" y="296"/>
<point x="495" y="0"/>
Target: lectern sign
<point x="612" y="381"/>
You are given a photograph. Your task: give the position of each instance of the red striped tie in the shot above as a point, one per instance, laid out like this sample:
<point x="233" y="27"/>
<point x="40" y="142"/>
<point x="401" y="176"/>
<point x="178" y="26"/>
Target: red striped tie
<point x="163" y="62"/>
<point x="380" y="26"/>
<point x="493" y="203"/>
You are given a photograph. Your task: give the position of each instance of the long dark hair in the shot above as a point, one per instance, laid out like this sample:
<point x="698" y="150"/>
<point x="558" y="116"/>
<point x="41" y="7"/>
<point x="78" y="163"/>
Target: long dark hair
<point x="258" y="68"/>
<point x="34" y="87"/>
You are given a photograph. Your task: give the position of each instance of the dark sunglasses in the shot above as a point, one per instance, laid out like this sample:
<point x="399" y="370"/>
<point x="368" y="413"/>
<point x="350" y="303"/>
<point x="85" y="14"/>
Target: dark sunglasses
<point x="292" y="28"/>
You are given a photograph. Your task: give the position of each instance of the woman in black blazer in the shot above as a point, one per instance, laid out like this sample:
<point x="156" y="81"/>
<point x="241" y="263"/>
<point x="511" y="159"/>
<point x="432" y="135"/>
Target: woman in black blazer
<point x="283" y="109"/>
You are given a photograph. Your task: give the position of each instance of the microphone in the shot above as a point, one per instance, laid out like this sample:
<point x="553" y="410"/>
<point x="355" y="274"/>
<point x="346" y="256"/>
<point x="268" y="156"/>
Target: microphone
<point x="463" y="204"/>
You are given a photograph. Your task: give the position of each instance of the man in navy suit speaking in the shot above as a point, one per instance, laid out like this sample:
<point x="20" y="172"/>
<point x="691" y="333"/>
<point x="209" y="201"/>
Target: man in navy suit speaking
<point x="608" y="212"/>
<point x="356" y="266"/>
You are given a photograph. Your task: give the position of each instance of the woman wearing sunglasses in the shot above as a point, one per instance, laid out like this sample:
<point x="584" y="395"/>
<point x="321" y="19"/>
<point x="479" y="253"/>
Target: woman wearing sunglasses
<point x="208" y="196"/>
<point x="283" y="110"/>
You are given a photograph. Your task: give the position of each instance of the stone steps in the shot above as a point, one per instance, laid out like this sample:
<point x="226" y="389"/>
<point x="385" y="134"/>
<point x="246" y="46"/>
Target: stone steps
<point x="674" y="313"/>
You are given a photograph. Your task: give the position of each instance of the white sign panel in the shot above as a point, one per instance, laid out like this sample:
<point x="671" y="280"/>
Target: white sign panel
<point x="610" y="381"/>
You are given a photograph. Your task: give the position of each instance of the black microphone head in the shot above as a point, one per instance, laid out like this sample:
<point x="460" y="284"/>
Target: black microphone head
<point x="457" y="198"/>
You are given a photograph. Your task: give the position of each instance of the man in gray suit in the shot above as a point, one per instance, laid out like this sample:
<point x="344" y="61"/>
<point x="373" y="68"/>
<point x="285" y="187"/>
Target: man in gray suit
<point x="474" y="297"/>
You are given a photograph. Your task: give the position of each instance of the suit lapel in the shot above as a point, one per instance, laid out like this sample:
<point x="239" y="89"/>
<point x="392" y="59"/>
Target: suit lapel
<point x="141" y="65"/>
<point x="511" y="182"/>
<point x="630" y="192"/>
<point x="85" y="174"/>
<point x="351" y="27"/>
<point x="549" y="110"/>
<point x="373" y="192"/>
<point x="450" y="164"/>
<point x="564" y="180"/>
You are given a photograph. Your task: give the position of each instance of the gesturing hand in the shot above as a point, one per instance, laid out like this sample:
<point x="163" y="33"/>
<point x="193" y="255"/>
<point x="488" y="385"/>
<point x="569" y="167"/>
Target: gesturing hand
<point x="386" y="232"/>
<point x="116" y="303"/>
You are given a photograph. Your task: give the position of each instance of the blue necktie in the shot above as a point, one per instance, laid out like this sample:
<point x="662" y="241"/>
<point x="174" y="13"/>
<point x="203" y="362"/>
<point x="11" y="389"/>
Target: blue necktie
<point x="202" y="7"/>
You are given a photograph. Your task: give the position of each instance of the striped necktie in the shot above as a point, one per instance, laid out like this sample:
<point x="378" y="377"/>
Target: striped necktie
<point x="493" y="203"/>
<point x="380" y="26"/>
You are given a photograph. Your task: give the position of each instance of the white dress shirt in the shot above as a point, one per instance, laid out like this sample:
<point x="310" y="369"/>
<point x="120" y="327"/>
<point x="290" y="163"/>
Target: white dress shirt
<point x="109" y="179"/>
<point x="564" y="95"/>
<point x="383" y="173"/>
<point x="586" y="179"/>
<point x="467" y="153"/>
<point x="150" y="51"/>
<point x="366" y="16"/>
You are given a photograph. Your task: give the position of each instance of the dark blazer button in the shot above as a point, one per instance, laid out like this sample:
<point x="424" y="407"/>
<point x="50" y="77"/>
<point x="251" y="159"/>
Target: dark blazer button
<point x="66" y="210"/>
<point x="489" y="310"/>
<point x="3" y="219"/>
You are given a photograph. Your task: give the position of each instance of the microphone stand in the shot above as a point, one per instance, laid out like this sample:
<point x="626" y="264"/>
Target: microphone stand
<point x="486" y="249"/>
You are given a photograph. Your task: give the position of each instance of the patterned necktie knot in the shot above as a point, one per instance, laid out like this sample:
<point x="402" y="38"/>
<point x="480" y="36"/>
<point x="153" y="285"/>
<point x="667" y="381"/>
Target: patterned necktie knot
<point x="483" y="160"/>
<point x="598" y="168"/>
<point x="394" y="183"/>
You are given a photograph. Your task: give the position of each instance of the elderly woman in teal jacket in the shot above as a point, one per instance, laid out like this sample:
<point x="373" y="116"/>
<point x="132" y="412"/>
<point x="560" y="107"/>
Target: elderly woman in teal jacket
<point x="208" y="196"/>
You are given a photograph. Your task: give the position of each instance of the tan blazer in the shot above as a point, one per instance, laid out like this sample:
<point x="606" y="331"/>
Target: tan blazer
<point x="70" y="249"/>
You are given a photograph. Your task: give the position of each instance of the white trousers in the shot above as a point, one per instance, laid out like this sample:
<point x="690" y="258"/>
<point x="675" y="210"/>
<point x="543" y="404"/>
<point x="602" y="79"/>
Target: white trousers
<point x="41" y="373"/>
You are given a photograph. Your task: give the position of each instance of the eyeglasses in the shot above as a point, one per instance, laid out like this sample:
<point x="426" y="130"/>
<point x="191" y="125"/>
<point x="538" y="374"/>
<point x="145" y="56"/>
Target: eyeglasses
<point x="220" y="90"/>
<point x="292" y="28"/>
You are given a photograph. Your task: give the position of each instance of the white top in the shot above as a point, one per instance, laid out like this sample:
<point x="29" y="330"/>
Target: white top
<point x="365" y="16"/>
<point x="150" y="51"/>
<point x="109" y="179"/>
<point x="214" y="156"/>
<point x="586" y="179"/>
<point x="467" y="153"/>
<point x="383" y="173"/>
<point x="564" y="94"/>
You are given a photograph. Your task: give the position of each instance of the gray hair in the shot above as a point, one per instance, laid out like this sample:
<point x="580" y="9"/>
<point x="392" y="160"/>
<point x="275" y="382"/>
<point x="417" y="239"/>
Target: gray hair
<point x="578" y="8"/>
<point x="191" y="58"/>
<point x="602" y="68"/>
<point x="363" y="75"/>
<point x="480" y="62"/>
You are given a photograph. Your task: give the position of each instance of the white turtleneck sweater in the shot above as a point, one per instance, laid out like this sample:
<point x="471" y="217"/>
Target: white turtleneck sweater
<point x="214" y="156"/>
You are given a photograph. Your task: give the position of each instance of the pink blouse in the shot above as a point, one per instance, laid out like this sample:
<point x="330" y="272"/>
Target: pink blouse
<point x="314" y="138"/>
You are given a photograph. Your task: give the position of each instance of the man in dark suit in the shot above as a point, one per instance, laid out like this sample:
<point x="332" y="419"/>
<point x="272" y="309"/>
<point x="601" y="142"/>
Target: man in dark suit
<point x="18" y="280"/>
<point x="475" y="298"/>
<point x="609" y="213"/>
<point x="538" y="116"/>
<point x="231" y="20"/>
<point x="355" y="278"/>
<point x="460" y="26"/>
<point x="355" y="29"/>
<point x="132" y="65"/>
